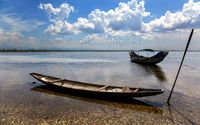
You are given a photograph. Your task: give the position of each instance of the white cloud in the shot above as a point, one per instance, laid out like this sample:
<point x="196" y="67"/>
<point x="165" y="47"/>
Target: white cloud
<point x="31" y="38"/>
<point x="84" y="24"/>
<point x="15" y="40"/>
<point x="60" y="13"/>
<point x="10" y="39"/>
<point x="8" y="36"/>
<point x="95" y="23"/>
<point x="127" y="16"/>
<point x="60" y="27"/>
<point x="126" y="19"/>
<point x="17" y="24"/>
<point x="124" y="23"/>
<point x="59" y="39"/>
<point x="188" y="17"/>
<point x="58" y="18"/>
<point x="92" y="38"/>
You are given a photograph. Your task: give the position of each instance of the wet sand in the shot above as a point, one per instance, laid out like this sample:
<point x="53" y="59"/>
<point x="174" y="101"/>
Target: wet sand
<point x="25" y="102"/>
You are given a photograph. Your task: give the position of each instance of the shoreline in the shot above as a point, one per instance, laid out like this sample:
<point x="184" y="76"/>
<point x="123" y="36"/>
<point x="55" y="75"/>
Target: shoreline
<point x="13" y="50"/>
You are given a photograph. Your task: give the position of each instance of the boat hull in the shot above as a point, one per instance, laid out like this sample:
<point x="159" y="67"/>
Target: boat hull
<point x="148" y="60"/>
<point x="91" y="93"/>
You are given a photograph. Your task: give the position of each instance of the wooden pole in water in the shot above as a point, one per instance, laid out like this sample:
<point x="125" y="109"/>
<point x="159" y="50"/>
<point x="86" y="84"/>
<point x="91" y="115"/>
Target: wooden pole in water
<point x="180" y="65"/>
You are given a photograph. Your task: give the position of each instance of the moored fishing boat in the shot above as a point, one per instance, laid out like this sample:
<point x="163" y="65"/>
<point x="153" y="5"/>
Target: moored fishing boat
<point x="94" y="89"/>
<point x="136" y="56"/>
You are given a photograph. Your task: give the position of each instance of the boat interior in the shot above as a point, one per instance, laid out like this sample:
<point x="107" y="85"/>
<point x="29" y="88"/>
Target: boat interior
<point x="83" y="86"/>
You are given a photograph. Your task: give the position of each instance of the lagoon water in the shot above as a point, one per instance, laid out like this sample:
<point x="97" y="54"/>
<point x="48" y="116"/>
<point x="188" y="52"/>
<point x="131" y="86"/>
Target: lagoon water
<point x="22" y="103"/>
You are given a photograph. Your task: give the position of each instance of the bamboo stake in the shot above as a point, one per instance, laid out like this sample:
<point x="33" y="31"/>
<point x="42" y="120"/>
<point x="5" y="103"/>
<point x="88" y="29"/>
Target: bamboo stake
<point x="180" y="65"/>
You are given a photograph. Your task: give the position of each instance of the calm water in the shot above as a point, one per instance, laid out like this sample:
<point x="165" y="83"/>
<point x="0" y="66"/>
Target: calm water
<point x="20" y="104"/>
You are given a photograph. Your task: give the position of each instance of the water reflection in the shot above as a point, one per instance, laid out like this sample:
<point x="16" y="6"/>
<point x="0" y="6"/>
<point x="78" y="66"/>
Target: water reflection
<point x="135" y="104"/>
<point x="156" y="71"/>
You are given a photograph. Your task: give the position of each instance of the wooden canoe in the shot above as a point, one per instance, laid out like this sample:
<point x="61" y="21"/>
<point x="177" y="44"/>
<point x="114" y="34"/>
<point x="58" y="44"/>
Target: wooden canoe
<point x="147" y="60"/>
<point x="94" y="89"/>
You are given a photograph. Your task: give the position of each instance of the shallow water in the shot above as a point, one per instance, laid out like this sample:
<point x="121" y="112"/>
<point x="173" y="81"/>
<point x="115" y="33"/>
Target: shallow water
<point x="22" y="102"/>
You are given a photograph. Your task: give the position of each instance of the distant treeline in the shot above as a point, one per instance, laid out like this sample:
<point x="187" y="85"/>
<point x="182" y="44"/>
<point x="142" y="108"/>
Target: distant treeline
<point x="20" y="50"/>
<point x="34" y="50"/>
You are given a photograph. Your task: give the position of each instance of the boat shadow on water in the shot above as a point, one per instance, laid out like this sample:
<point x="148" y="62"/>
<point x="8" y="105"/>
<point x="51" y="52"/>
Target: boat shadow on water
<point x="134" y="104"/>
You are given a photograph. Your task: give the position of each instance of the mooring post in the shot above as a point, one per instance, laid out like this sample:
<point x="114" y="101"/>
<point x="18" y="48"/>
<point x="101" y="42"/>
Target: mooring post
<point x="186" y="48"/>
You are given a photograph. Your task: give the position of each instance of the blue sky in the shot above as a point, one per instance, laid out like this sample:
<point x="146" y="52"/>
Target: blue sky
<point x="97" y="24"/>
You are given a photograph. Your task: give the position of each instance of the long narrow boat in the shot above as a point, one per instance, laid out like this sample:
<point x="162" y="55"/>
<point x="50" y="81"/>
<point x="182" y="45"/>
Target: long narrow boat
<point x="141" y="59"/>
<point x="95" y="90"/>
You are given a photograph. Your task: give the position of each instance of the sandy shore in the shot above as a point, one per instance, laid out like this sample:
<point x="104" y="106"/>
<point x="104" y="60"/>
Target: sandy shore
<point x="47" y="107"/>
